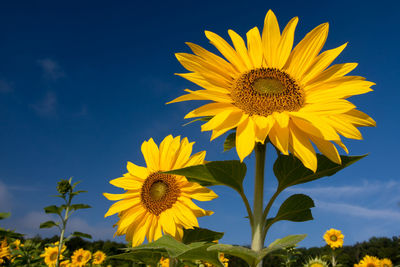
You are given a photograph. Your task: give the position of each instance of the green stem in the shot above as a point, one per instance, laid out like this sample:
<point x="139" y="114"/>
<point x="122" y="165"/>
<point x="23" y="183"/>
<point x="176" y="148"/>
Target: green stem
<point x="64" y="223"/>
<point x="248" y="208"/>
<point x="333" y="259"/>
<point x="257" y="242"/>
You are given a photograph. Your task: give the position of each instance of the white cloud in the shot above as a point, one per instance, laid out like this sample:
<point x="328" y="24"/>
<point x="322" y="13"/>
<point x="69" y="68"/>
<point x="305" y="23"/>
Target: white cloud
<point x="359" y="211"/>
<point x="47" y="106"/>
<point x="5" y="198"/>
<point x="51" y="69"/>
<point x="5" y="86"/>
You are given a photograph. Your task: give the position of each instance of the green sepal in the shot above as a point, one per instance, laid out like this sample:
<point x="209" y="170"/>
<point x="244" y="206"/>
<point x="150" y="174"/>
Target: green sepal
<point x="296" y="208"/>
<point x="230" y="173"/>
<point x="206" y="118"/>
<point x="290" y="171"/>
<point x="230" y="142"/>
<point x="49" y="224"/>
<point x="200" y="235"/>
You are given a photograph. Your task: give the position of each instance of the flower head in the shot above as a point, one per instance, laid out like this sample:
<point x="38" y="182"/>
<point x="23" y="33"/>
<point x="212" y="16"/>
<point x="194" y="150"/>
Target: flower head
<point x="63" y="187"/>
<point x="50" y="255"/>
<point x="99" y="257"/>
<point x="369" y="261"/>
<point x="269" y="91"/>
<point x="386" y="263"/>
<point x="4" y="251"/>
<point x="316" y="262"/>
<point x="155" y="202"/>
<point x="80" y="257"/>
<point x="334" y="238"/>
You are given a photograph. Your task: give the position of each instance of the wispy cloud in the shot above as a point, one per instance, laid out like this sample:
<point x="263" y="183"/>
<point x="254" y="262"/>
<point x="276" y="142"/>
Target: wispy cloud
<point x="51" y="69"/>
<point x="6" y="86"/>
<point x="47" y="106"/>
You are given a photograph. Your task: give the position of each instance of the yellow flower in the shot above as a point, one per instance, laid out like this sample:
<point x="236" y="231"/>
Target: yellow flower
<point x="99" y="257"/>
<point x="4" y="251"/>
<point x="334" y="238"/>
<point x="316" y="262"/>
<point x="154" y="201"/>
<point x="17" y="244"/>
<point x="386" y="263"/>
<point x="50" y="255"/>
<point x="80" y="257"/>
<point x="266" y="90"/>
<point x="65" y="263"/>
<point x="164" y="262"/>
<point x="222" y="258"/>
<point x="369" y="261"/>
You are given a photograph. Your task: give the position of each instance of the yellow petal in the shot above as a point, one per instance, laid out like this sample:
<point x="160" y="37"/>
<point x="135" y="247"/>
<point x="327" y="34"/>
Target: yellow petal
<point x="285" y="44"/>
<point x="226" y="50"/>
<point x="328" y="108"/>
<point x="197" y="211"/>
<point x="209" y="110"/>
<point x="122" y="205"/>
<point x="263" y="126"/>
<point x="245" y="138"/>
<point x="255" y="47"/>
<point x="315" y="125"/>
<point x="187" y="97"/>
<point x="114" y="197"/>
<point x="357" y="118"/>
<point x="183" y="154"/>
<point x="282" y="118"/>
<point x="130" y="216"/>
<point x="211" y="95"/>
<point x="240" y="47"/>
<point x="127" y="183"/>
<point x="151" y="155"/>
<point x="137" y="171"/>
<point x="271" y="37"/>
<point x="304" y="53"/>
<point x="202" y="82"/>
<point x="168" y="152"/>
<point x="216" y="121"/>
<point x="280" y="138"/>
<point x="344" y="128"/>
<point x="185" y="215"/>
<point x="333" y="72"/>
<point x="231" y="122"/>
<point x="198" y="192"/>
<point x="322" y="62"/>
<point x="210" y="57"/>
<point x="328" y="149"/>
<point x="140" y="233"/>
<point x="303" y="149"/>
<point x="167" y="223"/>
<point x="196" y="159"/>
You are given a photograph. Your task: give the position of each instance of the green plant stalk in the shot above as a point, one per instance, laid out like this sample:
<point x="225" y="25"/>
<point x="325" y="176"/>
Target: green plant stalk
<point x="333" y="258"/>
<point x="64" y="222"/>
<point x="257" y="242"/>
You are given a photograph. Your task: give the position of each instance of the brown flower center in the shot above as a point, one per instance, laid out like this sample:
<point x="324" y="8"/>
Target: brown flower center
<point x="333" y="238"/>
<point x="263" y="91"/>
<point x="159" y="192"/>
<point x="53" y="256"/>
<point x="371" y="265"/>
<point x="79" y="258"/>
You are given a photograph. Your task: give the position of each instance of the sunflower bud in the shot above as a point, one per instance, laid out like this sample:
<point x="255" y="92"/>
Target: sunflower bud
<point x="64" y="187"/>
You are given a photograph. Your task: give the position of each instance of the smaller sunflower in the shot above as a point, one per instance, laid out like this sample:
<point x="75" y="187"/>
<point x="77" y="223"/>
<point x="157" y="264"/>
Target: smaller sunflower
<point x="99" y="257"/>
<point x="17" y="244"/>
<point x="334" y="238"/>
<point x="316" y="262"/>
<point x="50" y="255"/>
<point x="369" y="261"/>
<point x="80" y="257"/>
<point x="164" y="262"/>
<point x="222" y="259"/>
<point x="386" y="263"/>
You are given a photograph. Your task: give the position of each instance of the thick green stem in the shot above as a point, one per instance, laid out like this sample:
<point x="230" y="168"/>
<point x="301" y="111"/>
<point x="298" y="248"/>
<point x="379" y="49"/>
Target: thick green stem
<point x="64" y="225"/>
<point x="257" y="242"/>
<point x="333" y="259"/>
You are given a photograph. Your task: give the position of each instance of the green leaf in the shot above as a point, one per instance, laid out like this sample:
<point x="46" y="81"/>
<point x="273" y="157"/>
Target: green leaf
<point x="287" y="241"/>
<point x="206" y="118"/>
<point x="290" y="171"/>
<point x="53" y="209"/>
<point x="48" y="224"/>
<point x="296" y="208"/>
<point x="146" y="257"/>
<point x="230" y="173"/>
<point x="230" y="142"/>
<point x="178" y="250"/>
<point x="79" y="234"/>
<point x="246" y="254"/>
<point x="79" y="206"/>
<point x="200" y="235"/>
<point x="11" y="234"/>
<point x="4" y="215"/>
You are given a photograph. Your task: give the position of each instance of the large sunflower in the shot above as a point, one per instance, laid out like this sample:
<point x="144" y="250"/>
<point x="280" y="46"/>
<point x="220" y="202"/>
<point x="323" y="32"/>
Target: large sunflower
<point x="80" y="257"/>
<point x="50" y="255"/>
<point x="156" y="202"/>
<point x="334" y="238"/>
<point x="269" y="90"/>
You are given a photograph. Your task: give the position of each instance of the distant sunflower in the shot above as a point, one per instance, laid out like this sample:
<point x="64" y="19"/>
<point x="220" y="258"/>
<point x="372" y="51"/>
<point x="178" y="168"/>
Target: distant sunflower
<point x="65" y="263"/>
<point x="334" y="238"/>
<point x="5" y="253"/>
<point x="156" y="202"/>
<point x="80" y="257"/>
<point x="316" y="262"/>
<point x="370" y="261"/>
<point x="50" y="255"/>
<point x="386" y="263"/>
<point x="164" y="262"/>
<point x="99" y="257"/>
<point x="269" y="90"/>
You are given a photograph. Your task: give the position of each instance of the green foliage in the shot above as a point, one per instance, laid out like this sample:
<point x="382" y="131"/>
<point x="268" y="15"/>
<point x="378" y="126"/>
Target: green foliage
<point x="4" y="215"/>
<point x="49" y="224"/>
<point x="297" y="208"/>
<point x="230" y="173"/>
<point x="8" y="233"/>
<point x="230" y="142"/>
<point x="290" y="171"/>
<point x="200" y="235"/>
<point x="79" y="234"/>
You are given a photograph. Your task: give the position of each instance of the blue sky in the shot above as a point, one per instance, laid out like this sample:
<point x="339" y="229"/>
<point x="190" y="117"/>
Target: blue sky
<point x="84" y="83"/>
